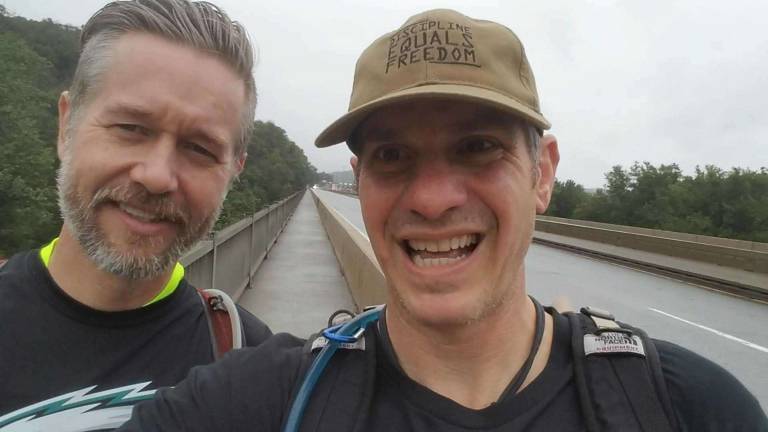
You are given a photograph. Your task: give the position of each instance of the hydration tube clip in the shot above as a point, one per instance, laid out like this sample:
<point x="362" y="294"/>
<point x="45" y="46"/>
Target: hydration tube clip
<point x="332" y="334"/>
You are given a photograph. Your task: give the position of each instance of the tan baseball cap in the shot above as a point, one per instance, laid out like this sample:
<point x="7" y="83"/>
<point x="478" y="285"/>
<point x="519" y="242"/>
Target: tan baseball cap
<point x="441" y="54"/>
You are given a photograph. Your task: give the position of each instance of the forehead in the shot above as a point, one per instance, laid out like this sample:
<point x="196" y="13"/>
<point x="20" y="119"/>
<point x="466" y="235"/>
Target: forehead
<point x="172" y="82"/>
<point x="435" y="116"/>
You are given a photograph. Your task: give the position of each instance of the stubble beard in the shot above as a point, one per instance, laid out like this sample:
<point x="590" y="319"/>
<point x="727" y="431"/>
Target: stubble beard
<point x="79" y="214"/>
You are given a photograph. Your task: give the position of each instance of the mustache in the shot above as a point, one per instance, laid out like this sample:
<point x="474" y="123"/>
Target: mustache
<point x="407" y="220"/>
<point x="160" y="206"/>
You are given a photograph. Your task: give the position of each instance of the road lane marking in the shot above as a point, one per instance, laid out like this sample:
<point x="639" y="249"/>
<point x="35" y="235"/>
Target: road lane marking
<point x="717" y="332"/>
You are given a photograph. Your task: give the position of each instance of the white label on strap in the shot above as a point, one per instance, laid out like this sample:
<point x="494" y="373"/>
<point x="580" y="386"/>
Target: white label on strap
<point x="613" y="343"/>
<point x="322" y="341"/>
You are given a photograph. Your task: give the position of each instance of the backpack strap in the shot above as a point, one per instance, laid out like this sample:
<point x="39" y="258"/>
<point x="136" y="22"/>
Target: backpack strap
<point x="336" y="378"/>
<point x="224" y="324"/>
<point x="618" y="376"/>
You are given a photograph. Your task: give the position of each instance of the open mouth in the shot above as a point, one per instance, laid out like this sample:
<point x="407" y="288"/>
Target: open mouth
<point x="140" y="215"/>
<point x="432" y="253"/>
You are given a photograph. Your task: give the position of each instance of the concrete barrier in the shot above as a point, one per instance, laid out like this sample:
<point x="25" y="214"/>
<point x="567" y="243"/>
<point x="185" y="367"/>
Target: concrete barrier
<point x="697" y="238"/>
<point x="230" y="257"/>
<point x="749" y="256"/>
<point x="358" y="264"/>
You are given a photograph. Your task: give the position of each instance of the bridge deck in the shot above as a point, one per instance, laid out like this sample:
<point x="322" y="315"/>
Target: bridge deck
<point x="300" y="284"/>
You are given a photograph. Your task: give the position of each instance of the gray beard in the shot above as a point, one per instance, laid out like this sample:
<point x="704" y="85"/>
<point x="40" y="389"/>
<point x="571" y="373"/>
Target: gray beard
<point x="80" y="218"/>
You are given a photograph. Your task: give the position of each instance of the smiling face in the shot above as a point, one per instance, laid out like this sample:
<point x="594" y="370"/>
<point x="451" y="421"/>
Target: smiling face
<point x="449" y="194"/>
<point x="148" y="161"/>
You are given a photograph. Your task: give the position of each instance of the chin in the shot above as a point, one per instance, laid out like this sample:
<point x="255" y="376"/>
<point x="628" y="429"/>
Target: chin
<point x="443" y="309"/>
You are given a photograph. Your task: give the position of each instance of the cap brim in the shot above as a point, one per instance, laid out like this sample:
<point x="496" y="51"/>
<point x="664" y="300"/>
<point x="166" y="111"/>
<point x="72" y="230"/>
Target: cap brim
<point x="340" y="130"/>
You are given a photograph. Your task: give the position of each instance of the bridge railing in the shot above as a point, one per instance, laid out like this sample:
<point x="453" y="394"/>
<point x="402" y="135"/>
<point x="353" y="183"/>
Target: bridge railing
<point x="738" y="254"/>
<point x="229" y="259"/>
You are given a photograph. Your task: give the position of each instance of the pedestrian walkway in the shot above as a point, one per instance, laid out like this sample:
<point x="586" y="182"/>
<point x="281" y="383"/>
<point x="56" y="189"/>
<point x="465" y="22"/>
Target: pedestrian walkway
<point x="300" y="284"/>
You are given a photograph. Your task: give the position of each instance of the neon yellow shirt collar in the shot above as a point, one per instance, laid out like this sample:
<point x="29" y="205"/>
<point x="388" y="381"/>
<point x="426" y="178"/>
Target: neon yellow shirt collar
<point x="173" y="283"/>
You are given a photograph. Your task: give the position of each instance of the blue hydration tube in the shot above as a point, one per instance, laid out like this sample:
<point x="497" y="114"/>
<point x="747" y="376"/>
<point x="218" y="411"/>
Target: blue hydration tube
<point x="348" y="332"/>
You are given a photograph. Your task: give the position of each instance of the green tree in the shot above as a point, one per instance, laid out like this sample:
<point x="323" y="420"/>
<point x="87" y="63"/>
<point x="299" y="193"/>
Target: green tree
<point x="566" y="198"/>
<point x="28" y="214"/>
<point x="275" y="168"/>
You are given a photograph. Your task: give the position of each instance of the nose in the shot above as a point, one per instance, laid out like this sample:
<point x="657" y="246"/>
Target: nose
<point x="156" y="167"/>
<point x="434" y="189"/>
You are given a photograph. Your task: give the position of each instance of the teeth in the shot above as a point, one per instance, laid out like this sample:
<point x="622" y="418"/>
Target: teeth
<point x="443" y="245"/>
<point x="138" y="214"/>
<point x="432" y="262"/>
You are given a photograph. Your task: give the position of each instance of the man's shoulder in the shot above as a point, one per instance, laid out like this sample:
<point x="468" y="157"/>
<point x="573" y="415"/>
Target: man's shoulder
<point x="16" y="271"/>
<point x="256" y="331"/>
<point x="275" y="363"/>
<point x="704" y="395"/>
<point x="278" y="349"/>
<point x="16" y="263"/>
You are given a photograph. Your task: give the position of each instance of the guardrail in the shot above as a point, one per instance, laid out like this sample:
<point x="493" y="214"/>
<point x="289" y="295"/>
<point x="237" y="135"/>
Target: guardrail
<point x="230" y="258"/>
<point x="743" y="255"/>
<point x="697" y="238"/>
<point x="358" y="264"/>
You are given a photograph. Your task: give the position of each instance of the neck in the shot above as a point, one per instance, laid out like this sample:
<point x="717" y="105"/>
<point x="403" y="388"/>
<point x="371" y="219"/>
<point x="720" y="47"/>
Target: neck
<point x="472" y="364"/>
<point x="78" y="276"/>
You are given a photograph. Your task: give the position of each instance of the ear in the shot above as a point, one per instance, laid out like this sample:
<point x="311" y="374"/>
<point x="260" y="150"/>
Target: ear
<point x="239" y="164"/>
<point x="549" y="157"/>
<point x="354" y="162"/>
<point x="64" y="113"/>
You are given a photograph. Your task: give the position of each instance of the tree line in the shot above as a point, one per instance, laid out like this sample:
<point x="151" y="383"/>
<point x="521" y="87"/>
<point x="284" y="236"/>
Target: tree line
<point x="713" y="201"/>
<point x="37" y="62"/>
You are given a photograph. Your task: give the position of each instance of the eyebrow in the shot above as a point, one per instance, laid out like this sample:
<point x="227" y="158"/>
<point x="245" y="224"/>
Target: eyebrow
<point x="486" y="118"/>
<point x="381" y="135"/>
<point x="134" y="111"/>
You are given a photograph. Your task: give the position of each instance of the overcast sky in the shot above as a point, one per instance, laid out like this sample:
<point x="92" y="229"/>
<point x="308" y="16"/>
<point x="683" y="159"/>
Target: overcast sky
<point x="655" y="80"/>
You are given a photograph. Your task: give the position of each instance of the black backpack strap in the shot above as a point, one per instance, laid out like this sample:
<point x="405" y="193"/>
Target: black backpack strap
<point x="618" y="376"/>
<point x="342" y="398"/>
<point x="667" y="416"/>
<point x="579" y="372"/>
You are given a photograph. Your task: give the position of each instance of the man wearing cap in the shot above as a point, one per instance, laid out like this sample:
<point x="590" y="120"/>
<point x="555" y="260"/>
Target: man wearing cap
<point x="452" y="168"/>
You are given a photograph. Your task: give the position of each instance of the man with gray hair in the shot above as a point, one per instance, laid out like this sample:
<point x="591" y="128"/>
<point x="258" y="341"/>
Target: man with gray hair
<point x="152" y="133"/>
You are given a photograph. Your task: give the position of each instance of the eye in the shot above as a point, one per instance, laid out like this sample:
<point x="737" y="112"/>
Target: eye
<point x="476" y="146"/>
<point x="388" y="154"/>
<point x="388" y="158"/>
<point x="200" y="150"/>
<point x="132" y="128"/>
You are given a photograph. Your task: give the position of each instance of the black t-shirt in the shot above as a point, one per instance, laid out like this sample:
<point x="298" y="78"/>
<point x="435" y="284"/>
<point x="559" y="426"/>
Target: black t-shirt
<point x="63" y="363"/>
<point x="250" y="390"/>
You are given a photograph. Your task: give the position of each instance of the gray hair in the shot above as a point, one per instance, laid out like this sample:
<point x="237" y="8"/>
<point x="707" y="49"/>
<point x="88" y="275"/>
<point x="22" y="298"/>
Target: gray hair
<point x="201" y="25"/>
